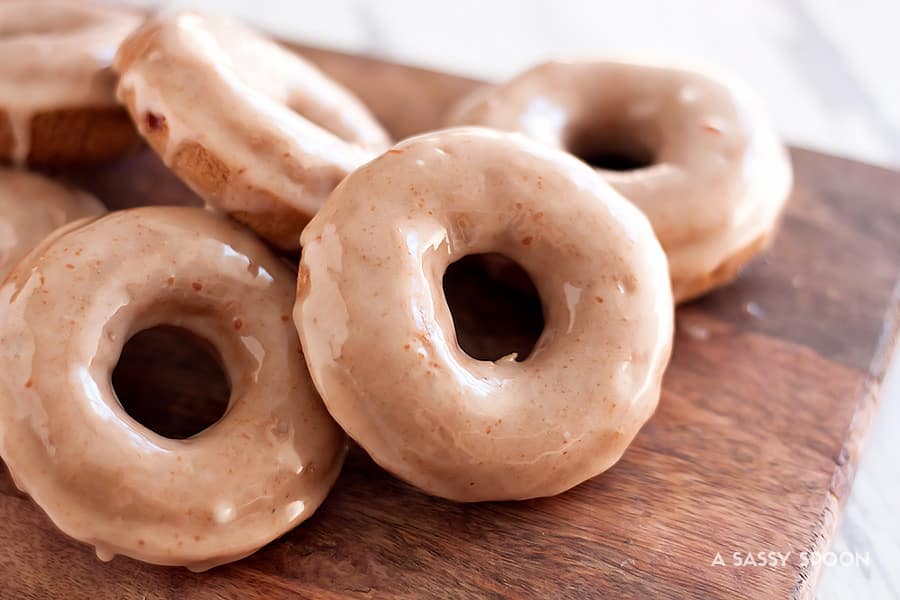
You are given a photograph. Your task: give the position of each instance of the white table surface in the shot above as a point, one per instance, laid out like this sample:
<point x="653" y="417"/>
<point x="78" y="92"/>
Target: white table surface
<point x="827" y="70"/>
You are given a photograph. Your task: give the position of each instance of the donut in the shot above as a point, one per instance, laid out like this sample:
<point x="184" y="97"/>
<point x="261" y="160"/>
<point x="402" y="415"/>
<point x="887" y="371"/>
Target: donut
<point x="694" y="152"/>
<point x="31" y="207"/>
<point x="465" y="429"/>
<point x="57" y="93"/>
<point x="255" y="130"/>
<point x="103" y="478"/>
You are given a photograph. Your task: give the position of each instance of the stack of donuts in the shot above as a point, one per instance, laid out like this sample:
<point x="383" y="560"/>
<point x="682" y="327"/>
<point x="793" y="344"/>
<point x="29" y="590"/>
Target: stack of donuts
<point x="358" y="341"/>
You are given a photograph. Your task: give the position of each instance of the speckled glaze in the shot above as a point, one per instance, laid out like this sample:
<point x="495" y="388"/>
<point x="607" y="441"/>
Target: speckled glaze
<point x="103" y="478"/>
<point x="277" y="134"/>
<point x="719" y="176"/>
<point x="31" y="207"/>
<point x="379" y="337"/>
<point x="56" y="55"/>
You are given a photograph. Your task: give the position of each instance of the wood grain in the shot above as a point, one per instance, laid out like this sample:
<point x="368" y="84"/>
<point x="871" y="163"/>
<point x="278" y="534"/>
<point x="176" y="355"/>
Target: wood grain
<point x="773" y="384"/>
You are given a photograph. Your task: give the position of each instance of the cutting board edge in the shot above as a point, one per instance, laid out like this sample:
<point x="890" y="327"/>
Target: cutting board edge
<point x="846" y="466"/>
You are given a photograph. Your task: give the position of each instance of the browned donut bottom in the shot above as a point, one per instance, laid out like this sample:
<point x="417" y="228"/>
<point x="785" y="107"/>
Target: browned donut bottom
<point x="274" y="135"/>
<point x="726" y="272"/>
<point x="210" y="174"/>
<point x="695" y="152"/>
<point x="71" y="136"/>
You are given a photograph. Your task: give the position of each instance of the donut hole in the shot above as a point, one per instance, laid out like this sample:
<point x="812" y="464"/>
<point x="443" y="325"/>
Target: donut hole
<point x="611" y="148"/>
<point x="495" y="307"/>
<point x="171" y="381"/>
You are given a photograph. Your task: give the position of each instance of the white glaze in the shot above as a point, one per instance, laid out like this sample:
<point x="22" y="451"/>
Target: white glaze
<point x="286" y="133"/>
<point x="720" y="176"/>
<point x="379" y="337"/>
<point x="103" y="478"/>
<point x="56" y="55"/>
<point x="33" y="206"/>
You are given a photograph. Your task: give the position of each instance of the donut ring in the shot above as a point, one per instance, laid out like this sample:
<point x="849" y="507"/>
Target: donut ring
<point x="371" y="269"/>
<point x="57" y="93"/>
<point x="103" y="478"/>
<point x="31" y="207"/>
<point x="717" y="180"/>
<point x="273" y="135"/>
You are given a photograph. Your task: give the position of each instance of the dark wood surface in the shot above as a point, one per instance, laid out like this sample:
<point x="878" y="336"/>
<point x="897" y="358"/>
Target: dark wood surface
<point x="772" y="387"/>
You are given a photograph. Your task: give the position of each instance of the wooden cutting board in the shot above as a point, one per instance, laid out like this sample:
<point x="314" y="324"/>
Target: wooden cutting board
<point x="773" y="385"/>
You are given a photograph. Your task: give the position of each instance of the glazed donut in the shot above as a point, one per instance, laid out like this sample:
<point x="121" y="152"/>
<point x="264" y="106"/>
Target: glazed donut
<point x="57" y="92"/>
<point x="31" y="207"/>
<point x="255" y="130"/>
<point x="711" y="175"/>
<point x="469" y="430"/>
<point x="65" y="313"/>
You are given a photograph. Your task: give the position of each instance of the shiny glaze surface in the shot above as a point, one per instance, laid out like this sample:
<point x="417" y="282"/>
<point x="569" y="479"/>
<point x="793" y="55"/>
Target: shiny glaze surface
<point x="56" y="55"/>
<point x="719" y="176"/>
<point x="31" y="207"/>
<point x="285" y="132"/>
<point x="103" y="478"/>
<point x="379" y="337"/>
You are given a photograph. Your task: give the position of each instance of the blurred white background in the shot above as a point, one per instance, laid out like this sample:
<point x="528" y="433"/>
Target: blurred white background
<point x="827" y="70"/>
